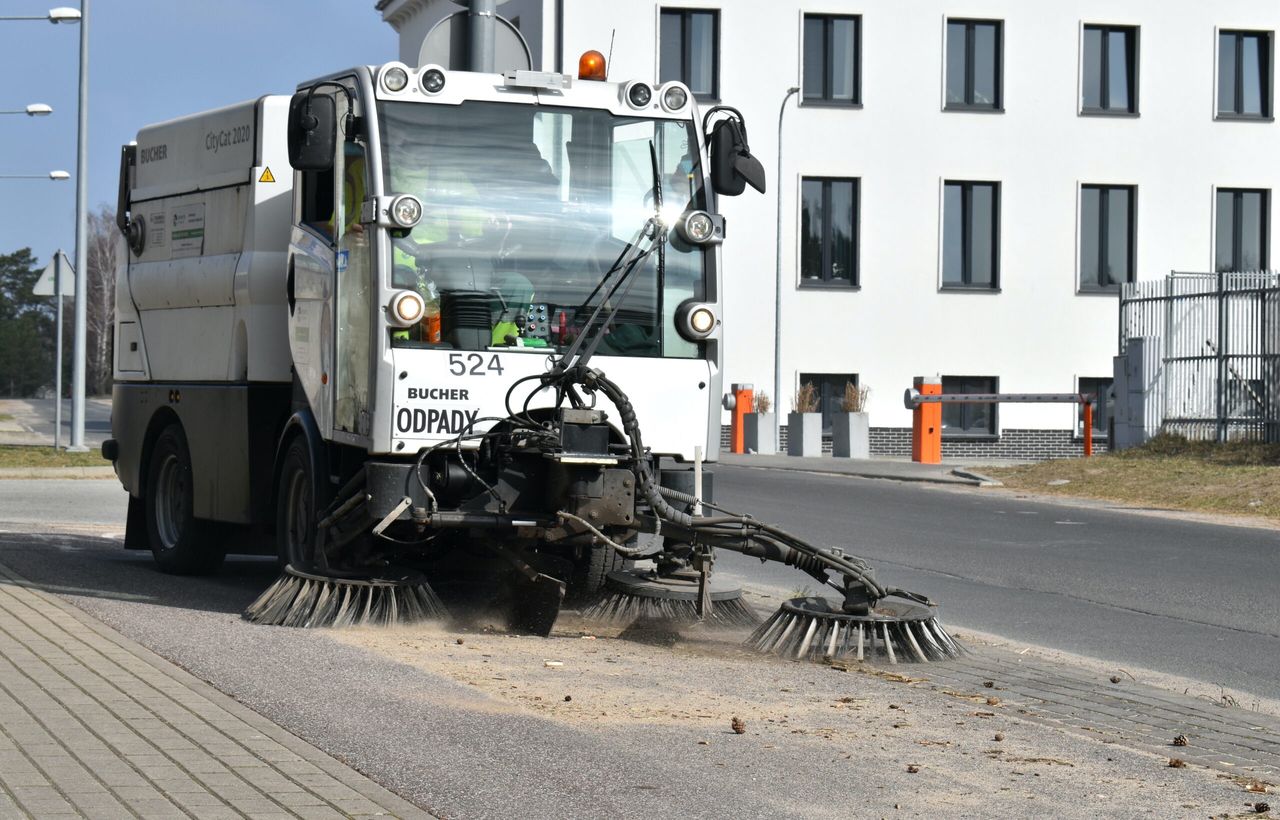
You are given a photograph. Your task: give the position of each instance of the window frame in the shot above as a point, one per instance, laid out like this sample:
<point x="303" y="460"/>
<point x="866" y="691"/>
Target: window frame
<point x="828" y="40"/>
<point x="1268" y="96"/>
<point x="1236" y="208"/>
<point x="970" y="24"/>
<point x="827" y="282"/>
<point x="1133" y="75"/>
<point x="1101" y="408"/>
<point x="686" y="49"/>
<point x="992" y="431"/>
<point x="966" y="228"/>
<point x="821" y="381"/>
<point x="1103" y="227"/>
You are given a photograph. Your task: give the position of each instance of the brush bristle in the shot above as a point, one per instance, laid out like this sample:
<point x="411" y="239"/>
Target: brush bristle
<point x="295" y="600"/>
<point x="815" y="636"/>
<point x="621" y="608"/>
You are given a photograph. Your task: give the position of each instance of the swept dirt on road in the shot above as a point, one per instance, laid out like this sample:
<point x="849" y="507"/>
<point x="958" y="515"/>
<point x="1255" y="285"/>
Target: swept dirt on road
<point x="956" y="754"/>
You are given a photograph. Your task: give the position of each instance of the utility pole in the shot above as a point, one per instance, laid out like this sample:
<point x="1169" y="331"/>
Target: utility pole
<point x="82" y="243"/>
<point x="57" y="368"/>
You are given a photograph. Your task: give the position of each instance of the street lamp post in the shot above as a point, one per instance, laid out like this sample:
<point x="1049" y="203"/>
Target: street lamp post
<point x="777" y="309"/>
<point x="82" y="230"/>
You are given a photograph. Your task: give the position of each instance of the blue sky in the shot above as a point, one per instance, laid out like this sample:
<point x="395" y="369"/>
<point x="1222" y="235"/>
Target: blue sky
<point x="149" y="60"/>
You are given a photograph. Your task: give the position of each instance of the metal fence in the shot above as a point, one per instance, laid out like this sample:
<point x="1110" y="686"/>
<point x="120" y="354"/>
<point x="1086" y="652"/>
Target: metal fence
<point x="1219" y="340"/>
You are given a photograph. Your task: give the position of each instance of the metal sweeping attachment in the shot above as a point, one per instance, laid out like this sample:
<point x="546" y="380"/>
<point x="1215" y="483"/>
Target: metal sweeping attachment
<point x="302" y="599"/>
<point x="638" y="596"/>
<point x="813" y="629"/>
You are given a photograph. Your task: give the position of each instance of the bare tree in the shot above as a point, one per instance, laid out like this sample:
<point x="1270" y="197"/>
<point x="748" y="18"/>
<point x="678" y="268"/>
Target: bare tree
<point x="100" y="306"/>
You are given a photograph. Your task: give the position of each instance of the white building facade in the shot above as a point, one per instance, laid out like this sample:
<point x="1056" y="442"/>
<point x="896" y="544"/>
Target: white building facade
<point x="963" y="183"/>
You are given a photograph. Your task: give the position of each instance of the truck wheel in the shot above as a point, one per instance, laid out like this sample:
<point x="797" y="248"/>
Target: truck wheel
<point x="296" y="508"/>
<point x="181" y="543"/>
<point x="590" y="571"/>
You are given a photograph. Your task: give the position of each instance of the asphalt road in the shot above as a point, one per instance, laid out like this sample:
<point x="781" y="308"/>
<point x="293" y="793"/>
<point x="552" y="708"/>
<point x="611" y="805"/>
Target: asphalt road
<point x="1188" y="599"/>
<point x="450" y="748"/>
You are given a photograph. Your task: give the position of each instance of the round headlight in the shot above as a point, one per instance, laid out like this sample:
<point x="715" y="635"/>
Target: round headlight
<point x="395" y="79"/>
<point x="674" y="98"/>
<point x="698" y="227"/>
<point x="432" y="80"/>
<point x="406" y="309"/>
<point x="639" y="95"/>
<point x="406" y="210"/>
<point x="702" y="321"/>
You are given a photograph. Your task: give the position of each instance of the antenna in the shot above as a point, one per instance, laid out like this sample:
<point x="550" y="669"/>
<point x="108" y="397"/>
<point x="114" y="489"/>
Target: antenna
<point x="609" y="61"/>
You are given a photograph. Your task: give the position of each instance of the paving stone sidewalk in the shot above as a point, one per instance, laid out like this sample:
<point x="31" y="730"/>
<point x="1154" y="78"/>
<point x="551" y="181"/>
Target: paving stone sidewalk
<point x="94" y="725"/>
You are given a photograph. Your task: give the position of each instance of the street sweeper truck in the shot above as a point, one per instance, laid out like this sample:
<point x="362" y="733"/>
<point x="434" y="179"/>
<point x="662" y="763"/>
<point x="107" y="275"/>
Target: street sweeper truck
<point x="402" y="329"/>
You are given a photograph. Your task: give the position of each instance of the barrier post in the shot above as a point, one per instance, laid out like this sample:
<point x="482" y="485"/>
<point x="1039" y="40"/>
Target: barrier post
<point x="1088" y="425"/>
<point x="926" y="423"/>
<point x="743" y="403"/>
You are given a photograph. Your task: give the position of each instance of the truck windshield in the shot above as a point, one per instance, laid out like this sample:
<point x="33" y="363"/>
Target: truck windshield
<point x="525" y="208"/>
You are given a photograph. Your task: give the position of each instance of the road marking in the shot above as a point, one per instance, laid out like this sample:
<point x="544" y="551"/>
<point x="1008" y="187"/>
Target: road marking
<point x="1080" y="523"/>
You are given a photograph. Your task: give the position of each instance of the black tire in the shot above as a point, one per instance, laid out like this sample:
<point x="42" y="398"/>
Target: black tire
<point x="181" y="543"/>
<point x="590" y="570"/>
<point x="296" y="506"/>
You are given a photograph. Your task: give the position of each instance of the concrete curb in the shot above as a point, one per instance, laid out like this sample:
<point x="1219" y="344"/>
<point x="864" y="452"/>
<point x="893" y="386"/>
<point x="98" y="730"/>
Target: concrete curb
<point x="982" y="480"/>
<point x="954" y="478"/>
<point x="57" y="472"/>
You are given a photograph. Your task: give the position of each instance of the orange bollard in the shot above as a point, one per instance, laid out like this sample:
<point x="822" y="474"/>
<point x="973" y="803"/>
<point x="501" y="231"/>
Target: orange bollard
<point x="743" y="403"/>
<point x="1088" y="426"/>
<point x="926" y="423"/>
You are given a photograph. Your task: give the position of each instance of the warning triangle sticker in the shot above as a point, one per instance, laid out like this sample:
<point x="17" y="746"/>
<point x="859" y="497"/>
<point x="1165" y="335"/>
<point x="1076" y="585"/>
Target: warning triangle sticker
<point x="266" y="176"/>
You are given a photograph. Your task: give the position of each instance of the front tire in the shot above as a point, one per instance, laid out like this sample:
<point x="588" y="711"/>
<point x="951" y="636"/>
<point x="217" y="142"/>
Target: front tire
<point x="296" y="507"/>
<point x="181" y="543"/>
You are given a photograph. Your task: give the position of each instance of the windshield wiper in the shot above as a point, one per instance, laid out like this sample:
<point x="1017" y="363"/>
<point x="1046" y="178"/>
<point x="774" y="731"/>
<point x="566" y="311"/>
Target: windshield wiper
<point x="656" y="232"/>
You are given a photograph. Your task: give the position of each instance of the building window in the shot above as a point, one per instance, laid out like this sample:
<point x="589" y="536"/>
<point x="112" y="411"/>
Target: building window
<point x="830" y="390"/>
<point x="974" y="64"/>
<point x="1241" y="235"/>
<point x="829" y="232"/>
<point x="1098" y="388"/>
<point x="832" y="57"/>
<point x="971" y="235"/>
<point x="1110" y="70"/>
<point x="690" y="50"/>
<point x="1244" y="74"/>
<point x="968" y="419"/>
<point x="1107" y="230"/>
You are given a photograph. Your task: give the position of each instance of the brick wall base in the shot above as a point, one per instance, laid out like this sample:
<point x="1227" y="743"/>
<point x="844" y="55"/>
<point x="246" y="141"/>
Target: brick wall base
<point x="1037" y="445"/>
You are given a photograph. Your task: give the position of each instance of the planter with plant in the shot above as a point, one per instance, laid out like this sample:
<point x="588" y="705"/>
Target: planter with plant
<point x="804" y="423"/>
<point x="759" y="430"/>
<point x="851" y="427"/>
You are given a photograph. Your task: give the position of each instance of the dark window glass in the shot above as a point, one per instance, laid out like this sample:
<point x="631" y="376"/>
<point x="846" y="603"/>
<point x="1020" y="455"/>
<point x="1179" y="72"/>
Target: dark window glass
<point x="973" y="64"/>
<point x="1244" y="73"/>
<point x="1110" y="69"/>
<point x="317" y="200"/>
<point x="969" y="419"/>
<point x="1242" y="230"/>
<point x="832" y="57"/>
<point x="690" y="50"/>
<point x="970" y="235"/>
<point x="1098" y="388"/>
<point x="830" y="390"/>
<point x="1107" y="230"/>
<point x="829" y="231"/>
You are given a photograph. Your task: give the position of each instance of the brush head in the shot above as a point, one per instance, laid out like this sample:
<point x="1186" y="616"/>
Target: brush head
<point x="645" y="596"/>
<point x="307" y="600"/>
<point x="816" y="629"/>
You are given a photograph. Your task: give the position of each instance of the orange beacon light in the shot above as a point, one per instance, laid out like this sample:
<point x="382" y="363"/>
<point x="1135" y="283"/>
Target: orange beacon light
<point x="591" y="66"/>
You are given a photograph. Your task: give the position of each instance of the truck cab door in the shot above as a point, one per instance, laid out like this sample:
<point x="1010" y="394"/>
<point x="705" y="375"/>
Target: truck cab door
<point x="329" y="291"/>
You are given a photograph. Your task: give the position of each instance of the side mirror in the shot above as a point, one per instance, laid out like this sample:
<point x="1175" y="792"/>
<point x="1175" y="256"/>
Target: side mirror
<point x="733" y="167"/>
<point x="312" y="131"/>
